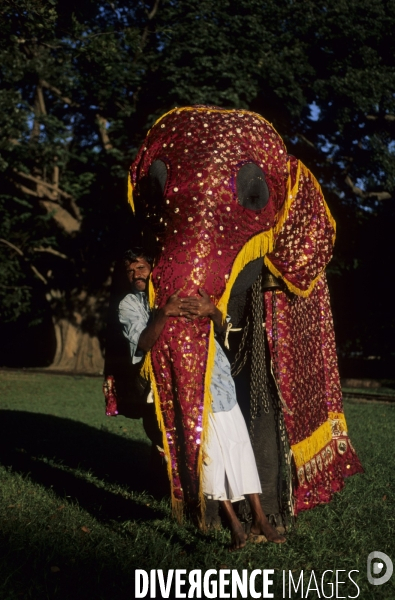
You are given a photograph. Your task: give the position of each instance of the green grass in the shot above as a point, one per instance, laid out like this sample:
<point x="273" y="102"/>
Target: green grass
<point x="382" y="391"/>
<point x="79" y="511"/>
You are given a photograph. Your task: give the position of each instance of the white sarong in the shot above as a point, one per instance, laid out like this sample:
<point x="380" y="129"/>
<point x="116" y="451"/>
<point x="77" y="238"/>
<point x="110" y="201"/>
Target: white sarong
<point x="229" y="469"/>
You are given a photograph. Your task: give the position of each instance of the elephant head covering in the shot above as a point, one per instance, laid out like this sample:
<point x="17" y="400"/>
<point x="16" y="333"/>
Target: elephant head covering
<point x="220" y="191"/>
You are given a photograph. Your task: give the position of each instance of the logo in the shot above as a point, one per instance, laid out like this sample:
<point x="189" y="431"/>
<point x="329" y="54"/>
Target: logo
<point x="376" y="562"/>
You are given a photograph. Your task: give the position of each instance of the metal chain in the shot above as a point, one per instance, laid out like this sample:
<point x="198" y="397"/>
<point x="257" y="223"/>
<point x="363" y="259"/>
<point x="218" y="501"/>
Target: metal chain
<point x="259" y="381"/>
<point x="242" y="352"/>
<point x="281" y="423"/>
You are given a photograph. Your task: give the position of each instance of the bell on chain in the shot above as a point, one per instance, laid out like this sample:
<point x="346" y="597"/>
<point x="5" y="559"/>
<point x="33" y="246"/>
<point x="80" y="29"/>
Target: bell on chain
<point x="269" y="281"/>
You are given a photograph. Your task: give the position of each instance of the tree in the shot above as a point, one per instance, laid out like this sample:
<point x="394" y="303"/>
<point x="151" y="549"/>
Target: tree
<point x="81" y="84"/>
<point x="66" y="74"/>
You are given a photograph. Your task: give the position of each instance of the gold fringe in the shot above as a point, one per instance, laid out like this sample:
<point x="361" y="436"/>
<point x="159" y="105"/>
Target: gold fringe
<point x="148" y="373"/>
<point x="207" y="409"/>
<point x="257" y="246"/>
<point x="151" y="293"/>
<point x="292" y="288"/>
<point x="130" y="192"/>
<point x="177" y="509"/>
<point x="306" y="449"/>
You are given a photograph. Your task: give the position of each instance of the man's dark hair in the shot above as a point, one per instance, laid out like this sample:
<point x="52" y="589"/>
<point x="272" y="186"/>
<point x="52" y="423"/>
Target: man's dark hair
<point x="133" y="254"/>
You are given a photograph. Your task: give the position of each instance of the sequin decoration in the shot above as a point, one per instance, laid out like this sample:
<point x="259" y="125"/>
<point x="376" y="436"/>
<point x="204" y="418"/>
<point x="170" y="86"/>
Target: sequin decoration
<point x="304" y="241"/>
<point x="110" y="396"/>
<point x="302" y="346"/>
<point x="203" y="232"/>
<point x="201" y="205"/>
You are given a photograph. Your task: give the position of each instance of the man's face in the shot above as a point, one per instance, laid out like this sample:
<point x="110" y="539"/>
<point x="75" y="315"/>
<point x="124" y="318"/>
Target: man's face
<point x="138" y="273"/>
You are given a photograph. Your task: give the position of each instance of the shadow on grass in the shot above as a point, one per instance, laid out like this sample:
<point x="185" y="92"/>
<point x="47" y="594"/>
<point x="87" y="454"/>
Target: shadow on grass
<point x="57" y="453"/>
<point x="49" y="448"/>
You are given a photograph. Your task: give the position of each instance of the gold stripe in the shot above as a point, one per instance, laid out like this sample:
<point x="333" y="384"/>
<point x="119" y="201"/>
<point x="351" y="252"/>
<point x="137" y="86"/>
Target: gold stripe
<point x="290" y="198"/>
<point x="130" y="192"/>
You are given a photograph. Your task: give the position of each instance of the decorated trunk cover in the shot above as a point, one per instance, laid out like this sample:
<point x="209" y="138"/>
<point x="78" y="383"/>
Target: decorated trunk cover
<point x="220" y="190"/>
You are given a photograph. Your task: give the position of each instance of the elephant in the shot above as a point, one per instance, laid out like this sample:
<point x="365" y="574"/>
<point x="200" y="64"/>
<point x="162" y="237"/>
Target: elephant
<point x="232" y="211"/>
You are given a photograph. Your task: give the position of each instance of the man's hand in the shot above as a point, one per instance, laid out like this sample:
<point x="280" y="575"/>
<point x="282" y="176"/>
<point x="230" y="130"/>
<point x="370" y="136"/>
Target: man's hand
<point x="201" y="306"/>
<point x="173" y="306"/>
<point x="198" y="306"/>
<point x="191" y="307"/>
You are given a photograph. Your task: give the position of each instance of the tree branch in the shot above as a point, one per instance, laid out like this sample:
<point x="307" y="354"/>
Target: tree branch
<point x="51" y="187"/>
<point x="154" y="10"/>
<point x="375" y="117"/>
<point x="58" y="93"/>
<point x="61" y="216"/>
<point x="16" y="287"/>
<point x="7" y="243"/>
<point x="144" y="36"/>
<point x="44" y="189"/>
<point x="50" y="251"/>
<point x="38" y="274"/>
<point x="21" y="253"/>
<point x="302" y="137"/>
<point x="39" y="109"/>
<point x="358" y="192"/>
<point x="103" y="132"/>
<point x="40" y="100"/>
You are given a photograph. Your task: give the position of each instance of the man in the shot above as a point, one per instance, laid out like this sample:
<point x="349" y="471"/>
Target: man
<point x="229" y="471"/>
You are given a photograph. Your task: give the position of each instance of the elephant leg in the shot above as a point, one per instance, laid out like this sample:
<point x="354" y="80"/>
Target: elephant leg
<point x="267" y="450"/>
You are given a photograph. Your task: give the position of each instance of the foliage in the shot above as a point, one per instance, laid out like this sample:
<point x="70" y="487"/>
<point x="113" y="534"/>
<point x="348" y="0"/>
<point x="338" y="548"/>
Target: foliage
<point x="77" y="515"/>
<point x="81" y="82"/>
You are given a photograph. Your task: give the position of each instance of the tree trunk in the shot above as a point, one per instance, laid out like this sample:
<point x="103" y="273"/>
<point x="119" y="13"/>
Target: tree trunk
<point x="76" y="350"/>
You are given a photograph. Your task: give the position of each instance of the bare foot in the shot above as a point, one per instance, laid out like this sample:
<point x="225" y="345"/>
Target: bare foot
<point x="239" y="538"/>
<point x="266" y="529"/>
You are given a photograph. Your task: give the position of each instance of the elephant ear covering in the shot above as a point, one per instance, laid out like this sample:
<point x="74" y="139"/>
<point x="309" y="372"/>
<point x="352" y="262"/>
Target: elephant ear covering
<point x="304" y="235"/>
<point x="302" y="346"/>
<point x="302" y="343"/>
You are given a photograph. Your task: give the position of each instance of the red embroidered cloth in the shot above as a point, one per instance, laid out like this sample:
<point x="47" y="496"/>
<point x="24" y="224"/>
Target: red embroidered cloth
<point x="302" y="344"/>
<point x="207" y="237"/>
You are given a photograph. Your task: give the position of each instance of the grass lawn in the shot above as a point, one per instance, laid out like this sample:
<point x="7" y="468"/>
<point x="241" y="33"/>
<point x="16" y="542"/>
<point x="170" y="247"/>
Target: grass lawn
<point x="78" y="511"/>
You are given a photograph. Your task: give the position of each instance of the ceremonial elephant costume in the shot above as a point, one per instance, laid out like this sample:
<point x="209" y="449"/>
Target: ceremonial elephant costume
<point x="223" y="196"/>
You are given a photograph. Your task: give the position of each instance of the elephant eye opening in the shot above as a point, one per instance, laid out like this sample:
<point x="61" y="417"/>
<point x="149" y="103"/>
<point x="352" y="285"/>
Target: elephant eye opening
<point x="151" y="189"/>
<point x="157" y="175"/>
<point x="152" y="186"/>
<point x="252" y="190"/>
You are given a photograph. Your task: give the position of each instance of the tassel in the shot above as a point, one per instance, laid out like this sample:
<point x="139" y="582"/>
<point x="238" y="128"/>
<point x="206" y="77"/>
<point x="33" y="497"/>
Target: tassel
<point x="257" y="246"/>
